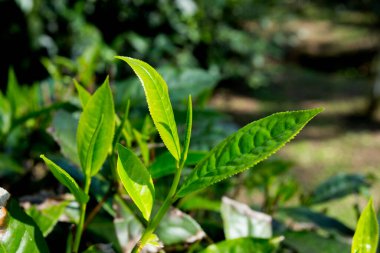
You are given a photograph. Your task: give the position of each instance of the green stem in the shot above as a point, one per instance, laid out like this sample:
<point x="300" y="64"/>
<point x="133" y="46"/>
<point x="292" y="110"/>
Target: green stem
<point x="83" y="206"/>
<point x="161" y="212"/>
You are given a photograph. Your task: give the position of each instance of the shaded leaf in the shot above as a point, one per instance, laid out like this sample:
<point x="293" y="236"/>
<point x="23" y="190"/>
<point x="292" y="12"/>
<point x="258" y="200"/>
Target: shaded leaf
<point x="9" y="167"/>
<point x="96" y="130"/>
<point x="243" y="245"/>
<point x="128" y="228"/>
<point x="64" y="128"/>
<point x="100" y="248"/>
<point x="47" y="214"/>
<point x="165" y="164"/>
<point x="178" y="227"/>
<point x="64" y="178"/>
<point x="245" y="148"/>
<point x="302" y="214"/>
<point x="189" y="125"/>
<point x="311" y="242"/>
<point x="367" y="231"/>
<point x="338" y="186"/>
<point x="5" y="114"/>
<point x="241" y="221"/>
<point x="191" y="203"/>
<point x="158" y="100"/>
<point x="19" y="233"/>
<point x="136" y="180"/>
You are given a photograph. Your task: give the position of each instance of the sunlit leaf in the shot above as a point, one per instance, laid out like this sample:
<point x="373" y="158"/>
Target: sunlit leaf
<point x="243" y="245"/>
<point x="191" y="203"/>
<point x="47" y="214"/>
<point x="160" y="108"/>
<point x="178" y="227"/>
<point x="241" y="221"/>
<point x="19" y="233"/>
<point x="136" y="180"/>
<point x="96" y="130"/>
<point x="64" y="178"/>
<point x="367" y="231"/>
<point x="245" y="148"/>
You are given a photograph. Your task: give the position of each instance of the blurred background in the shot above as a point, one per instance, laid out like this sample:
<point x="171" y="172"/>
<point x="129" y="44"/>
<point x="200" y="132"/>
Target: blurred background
<point x="242" y="59"/>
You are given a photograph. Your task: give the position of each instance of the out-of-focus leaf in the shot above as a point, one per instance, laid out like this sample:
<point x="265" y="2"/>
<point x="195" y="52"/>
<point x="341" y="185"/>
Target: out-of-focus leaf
<point x="5" y="114"/>
<point x="244" y="245"/>
<point x="128" y="228"/>
<point x="189" y="125"/>
<point x="302" y="214"/>
<point x="143" y="145"/>
<point x="245" y="148"/>
<point x="241" y="221"/>
<point x="136" y="180"/>
<point x="338" y="186"/>
<point x="366" y="236"/>
<point x="311" y="242"/>
<point x="96" y="129"/>
<point x="160" y="108"/>
<point x="84" y="95"/>
<point x="64" y="178"/>
<point x="165" y="164"/>
<point x="19" y="233"/>
<point x="8" y="167"/>
<point x="199" y="203"/>
<point x="47" y="214"/>
<point x="99" y="248"/>
<point x="102" y="229"/>
<point x="178" y="227"/>
<point x="63" y="130"/>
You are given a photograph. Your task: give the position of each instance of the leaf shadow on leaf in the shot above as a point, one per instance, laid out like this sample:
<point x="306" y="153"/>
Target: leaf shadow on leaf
<point x="167" y="128"/>
<point x="18" y="214"/>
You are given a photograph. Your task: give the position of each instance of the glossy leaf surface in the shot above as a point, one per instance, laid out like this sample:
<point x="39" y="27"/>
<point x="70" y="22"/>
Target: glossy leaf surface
<point x="245" y="148"/>
<point x="243" y="245"/>
<point x="64" y="178"/>
<point x="367" y="231"/>
<point x="19" y="233"/>
<point x="96" y="130"/>
<point x="157" y="95"/>
<point x="136" y="180"/>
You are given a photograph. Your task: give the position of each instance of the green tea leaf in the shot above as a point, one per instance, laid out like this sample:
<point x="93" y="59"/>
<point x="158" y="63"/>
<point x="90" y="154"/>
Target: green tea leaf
<point x="5" y="114"/>
<point x="64" y="178"/>
<point x="84" y="95"/>
<point x="241" y="221"/>
<point x="47" y="214"/>
<point x="245" y="148"/>
<point x="136" y="180"/>
<point x="157" y="95"/>
<point x="165" y="164"/>
<point x="367" y="231"/>
<point x="64" y="128"/>
<point x="243" y="245"/>
<point x="19" y="233"/>
<point x="96" y="130"/>
<point x="189" y="124"/>
<point x="338" y="186"/>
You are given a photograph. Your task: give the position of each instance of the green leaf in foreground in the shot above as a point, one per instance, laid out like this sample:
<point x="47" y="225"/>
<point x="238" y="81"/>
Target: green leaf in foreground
<point x="157" y="95"/>
<point x="367" y="231"/>
<point x="19" y="233"/>
<point x="64" y="178"/>
<point x="136" y="180"/>
<point x="245" y="148"/>
<point x="242" y="245"/>
<point x="96" y="129"/>
<point x="84" y="95"/>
